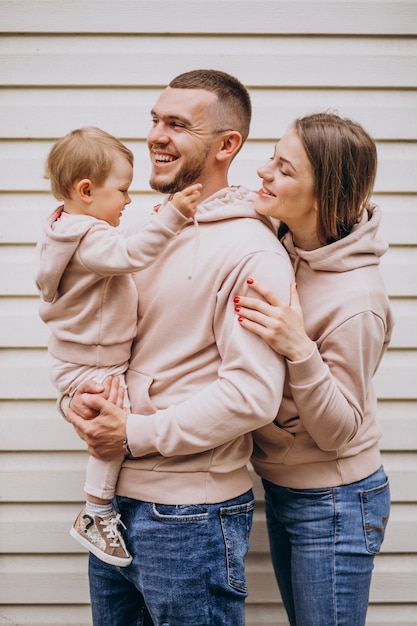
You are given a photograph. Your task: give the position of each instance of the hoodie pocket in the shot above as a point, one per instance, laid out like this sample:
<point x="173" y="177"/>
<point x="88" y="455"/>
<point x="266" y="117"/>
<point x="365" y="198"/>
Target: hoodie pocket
<point x="139" y="392"/>
<point x="272" y="443"/>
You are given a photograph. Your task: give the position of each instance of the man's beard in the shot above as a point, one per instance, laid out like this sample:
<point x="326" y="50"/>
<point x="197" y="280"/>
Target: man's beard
<point x="190" y="173"/>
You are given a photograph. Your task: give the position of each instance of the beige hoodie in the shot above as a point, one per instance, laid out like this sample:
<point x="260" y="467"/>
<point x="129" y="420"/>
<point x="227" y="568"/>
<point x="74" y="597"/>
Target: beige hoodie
<point x="83" y="270"/>
<point x="198" y="382"/>
<point x="326" y="433"/>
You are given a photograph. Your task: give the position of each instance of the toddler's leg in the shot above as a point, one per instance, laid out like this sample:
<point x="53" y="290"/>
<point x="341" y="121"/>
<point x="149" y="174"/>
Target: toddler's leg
<point x="96" y="526"/>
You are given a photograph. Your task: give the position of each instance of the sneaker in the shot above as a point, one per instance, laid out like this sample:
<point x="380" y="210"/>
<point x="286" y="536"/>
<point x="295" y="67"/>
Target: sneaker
<point x="101" y="536"/>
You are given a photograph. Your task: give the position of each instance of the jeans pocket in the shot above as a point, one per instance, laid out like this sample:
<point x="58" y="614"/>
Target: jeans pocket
<point x="236" y="524"/>
<point x="375" y="513"/>
<point x="178" y="514"/>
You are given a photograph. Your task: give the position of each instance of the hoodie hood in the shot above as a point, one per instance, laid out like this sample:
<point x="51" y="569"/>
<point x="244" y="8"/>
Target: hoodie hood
<point x="56" y="250"/>
<point x="361" y="248"/>
<point x="227" y="203"/>
<point x="230" y="203"/>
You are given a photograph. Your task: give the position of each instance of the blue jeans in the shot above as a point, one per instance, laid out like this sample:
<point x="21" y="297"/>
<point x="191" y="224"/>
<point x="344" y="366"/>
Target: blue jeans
<point x="187" y="568"/>
<point x="323" y="543"/>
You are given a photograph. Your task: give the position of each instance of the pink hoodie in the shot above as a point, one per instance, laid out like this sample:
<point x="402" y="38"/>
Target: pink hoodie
<point x="326" y="433"/>
<point x="83" y="270"/>
<point x="198" y="382"/>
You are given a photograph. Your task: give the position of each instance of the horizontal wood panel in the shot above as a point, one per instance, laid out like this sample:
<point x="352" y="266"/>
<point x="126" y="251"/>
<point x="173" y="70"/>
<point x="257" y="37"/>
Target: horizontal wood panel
<point x="45" y="615"/>
<point x="272" y="614"/>
<point x="398" y="268"/>
<point x="59" y="476"/>
<point x="22" y="214"/>
<point x="405" y="329"/>
<point x="396" y="169"/>
<point x="37" y="579"/>
<point x="266" y="61"/>
<point x="401" y="570"/>
<point x="39" y="528"/>
<point x="397" y="376"/>
<point x="38" y="426"/>
<point x="53" y="477"/>
<point x="42" y="113"/>
<point x="398" y="491"/>
<point x="237" y="16"/>
<point x="394" y="579"/>
<point x="394" y="380"/>
<point x="399" y="218"/>
<point x="21" y="327"/>
<point x="399" y="425"/>
<point x="401" y="533"/>
<point x="385" y="615"/>
<point x="42" y="579"/>
<point x="35" y="528"/>
<point x="397" y="163"/>
<point x="401" y="470"/>
<point x="68" y="64"/>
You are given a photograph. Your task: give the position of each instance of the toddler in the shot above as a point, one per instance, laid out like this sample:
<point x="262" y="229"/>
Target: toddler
<point x="84" y="268"/>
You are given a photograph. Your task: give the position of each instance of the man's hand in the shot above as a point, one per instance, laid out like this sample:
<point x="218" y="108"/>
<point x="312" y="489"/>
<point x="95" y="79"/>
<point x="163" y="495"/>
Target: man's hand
<point x="100" y="422"/>
<point x="78" y="404"/>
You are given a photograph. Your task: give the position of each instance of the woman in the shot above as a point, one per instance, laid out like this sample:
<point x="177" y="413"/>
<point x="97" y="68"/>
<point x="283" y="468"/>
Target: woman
<point x="326" y="493"/>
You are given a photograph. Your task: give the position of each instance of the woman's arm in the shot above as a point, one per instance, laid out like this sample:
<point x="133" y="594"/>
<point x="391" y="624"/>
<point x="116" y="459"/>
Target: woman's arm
<point x="330" y="383"/>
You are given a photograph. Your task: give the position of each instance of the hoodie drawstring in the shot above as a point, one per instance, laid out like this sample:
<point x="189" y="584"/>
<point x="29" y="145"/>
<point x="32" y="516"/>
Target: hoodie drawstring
<point x="195" y="251"/>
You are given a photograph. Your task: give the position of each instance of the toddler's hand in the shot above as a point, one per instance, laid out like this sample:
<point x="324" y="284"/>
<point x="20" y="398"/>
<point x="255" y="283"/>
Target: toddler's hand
<point x="186" y="201"/>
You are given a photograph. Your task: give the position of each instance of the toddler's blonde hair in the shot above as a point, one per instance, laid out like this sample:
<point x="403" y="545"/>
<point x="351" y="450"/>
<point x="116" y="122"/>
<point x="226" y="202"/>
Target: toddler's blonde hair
<point x="84" y="153"/>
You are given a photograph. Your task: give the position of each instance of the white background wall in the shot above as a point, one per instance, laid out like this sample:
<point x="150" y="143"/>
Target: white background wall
<point x="69" y="63"/>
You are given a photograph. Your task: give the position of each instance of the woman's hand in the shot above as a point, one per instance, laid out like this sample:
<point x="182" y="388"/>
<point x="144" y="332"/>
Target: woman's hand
<point x="279" y="324"/>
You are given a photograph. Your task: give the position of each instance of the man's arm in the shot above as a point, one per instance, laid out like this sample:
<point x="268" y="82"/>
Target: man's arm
<point x="245" y="396"/>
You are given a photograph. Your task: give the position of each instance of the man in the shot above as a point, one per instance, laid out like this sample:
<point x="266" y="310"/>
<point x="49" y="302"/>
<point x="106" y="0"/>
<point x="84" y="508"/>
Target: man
<point x="198" y="383"/>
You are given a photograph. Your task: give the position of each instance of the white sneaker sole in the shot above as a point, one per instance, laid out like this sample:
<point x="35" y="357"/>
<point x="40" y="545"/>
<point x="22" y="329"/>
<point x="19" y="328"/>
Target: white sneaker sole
<point x="107" y="558"/>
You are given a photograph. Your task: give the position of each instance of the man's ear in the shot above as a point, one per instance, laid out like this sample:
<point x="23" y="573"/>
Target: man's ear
<point x="83" y="190"/>
<point x="230" y="145"/>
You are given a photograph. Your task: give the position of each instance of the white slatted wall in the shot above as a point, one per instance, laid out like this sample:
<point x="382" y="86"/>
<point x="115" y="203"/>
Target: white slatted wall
<point x="69" y="63"/>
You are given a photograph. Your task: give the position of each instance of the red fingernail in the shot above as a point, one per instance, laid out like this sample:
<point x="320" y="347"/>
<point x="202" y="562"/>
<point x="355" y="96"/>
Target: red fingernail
<point x="249" y="281"/>
<point x="237" y="309"/>
<point x="236" y="299"/>
<point x="240" y="319"/>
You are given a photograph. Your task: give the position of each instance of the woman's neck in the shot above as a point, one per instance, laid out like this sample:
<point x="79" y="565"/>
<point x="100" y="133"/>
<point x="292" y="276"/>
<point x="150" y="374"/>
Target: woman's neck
<point x="306" y="240"/>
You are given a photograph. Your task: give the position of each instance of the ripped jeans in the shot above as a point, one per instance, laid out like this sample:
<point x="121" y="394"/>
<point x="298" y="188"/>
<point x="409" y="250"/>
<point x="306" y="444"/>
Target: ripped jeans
<point x="323" y="543"/>
<point x="187" y="568"/>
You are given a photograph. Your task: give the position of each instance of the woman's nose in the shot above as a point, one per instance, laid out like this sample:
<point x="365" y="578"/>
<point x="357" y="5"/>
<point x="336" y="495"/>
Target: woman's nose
<point x="263" y="171"/>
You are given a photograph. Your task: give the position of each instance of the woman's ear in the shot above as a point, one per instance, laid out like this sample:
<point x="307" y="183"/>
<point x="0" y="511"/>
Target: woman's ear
<point x="229" y="146"/>
<point x="83" y="189"/>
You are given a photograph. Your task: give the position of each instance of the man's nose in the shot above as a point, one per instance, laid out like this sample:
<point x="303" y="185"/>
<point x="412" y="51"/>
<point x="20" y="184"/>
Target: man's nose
<point x="158" y="134"/>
